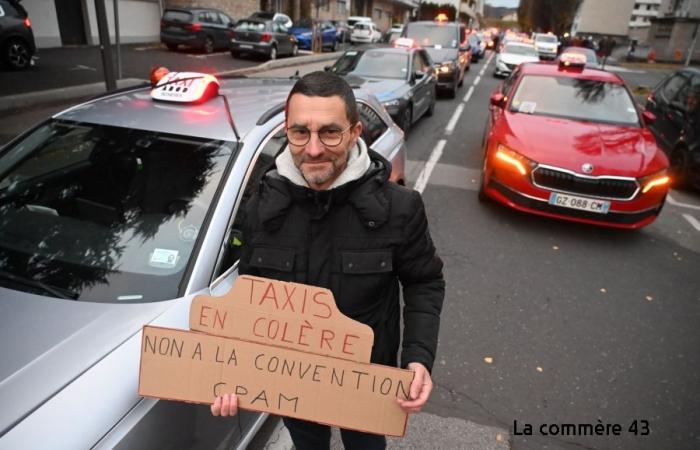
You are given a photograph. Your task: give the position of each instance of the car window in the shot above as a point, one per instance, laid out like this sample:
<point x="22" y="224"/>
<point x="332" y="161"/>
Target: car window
<point x="214" y="18"/>
<point x="508" y="82"/>
<point x="276" y="27"/>
<point x="224" y="19"/>
<point x="575" y="98"/>
<point x="417" y="63"/>
<point x="684" y="94"/>
<point x="266" y="157"/>
<point x="10" y="10"/>
<point x="673" y="86"/>
<point x="372" y="124"/>
<point x="105" y="214"/>
<point x="249" y="25"/>
<point x="177" y="16"/>
<point x="424" y="60"/>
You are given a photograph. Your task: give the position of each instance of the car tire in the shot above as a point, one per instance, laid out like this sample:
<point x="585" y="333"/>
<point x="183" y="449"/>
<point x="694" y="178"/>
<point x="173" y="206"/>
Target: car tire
<point x="208" y="45"/>
<point x="172" y="47"/>
<point x="679" y="167"/>
<point x="273" y="53"/>
<point x="433" y="101"/>
<point x="406" y="119"/>
<point x="17" y="55"/>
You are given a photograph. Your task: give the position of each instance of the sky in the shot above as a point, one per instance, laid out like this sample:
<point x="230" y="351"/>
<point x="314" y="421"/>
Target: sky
<point x="508" y="3"/>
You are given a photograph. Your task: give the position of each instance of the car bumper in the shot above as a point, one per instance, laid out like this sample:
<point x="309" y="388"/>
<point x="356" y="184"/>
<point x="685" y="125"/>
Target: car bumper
<point x="502" y="71"/>
<point x="447" y="81"/>
<point x="517" y="191"/>
<point x="546" y="54"/>
<point x="182" y="39"/>
<point x="363" y="39"/>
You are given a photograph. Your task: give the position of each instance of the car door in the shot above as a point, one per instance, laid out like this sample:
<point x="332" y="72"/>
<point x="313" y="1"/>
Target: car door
<point x="284" y="43"/>
<point x="666" y="105"/>
<point x="328" y="34"/>
<point x="420" y="85"/>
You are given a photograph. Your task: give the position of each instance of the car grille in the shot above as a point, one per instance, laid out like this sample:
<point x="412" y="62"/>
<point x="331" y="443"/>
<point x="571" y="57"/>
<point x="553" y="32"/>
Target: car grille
<point x="597" y="187"/>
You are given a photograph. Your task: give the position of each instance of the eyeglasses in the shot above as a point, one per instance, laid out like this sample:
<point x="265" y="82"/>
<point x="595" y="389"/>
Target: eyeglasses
<point x="330" y="137"/>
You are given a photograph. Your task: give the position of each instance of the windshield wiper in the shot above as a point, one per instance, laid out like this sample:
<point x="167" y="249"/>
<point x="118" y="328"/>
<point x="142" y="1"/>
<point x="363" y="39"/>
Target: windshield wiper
<point x="46" y="288"/>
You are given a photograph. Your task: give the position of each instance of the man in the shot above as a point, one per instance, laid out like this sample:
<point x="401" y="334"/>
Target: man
<point x="329" y="203"/>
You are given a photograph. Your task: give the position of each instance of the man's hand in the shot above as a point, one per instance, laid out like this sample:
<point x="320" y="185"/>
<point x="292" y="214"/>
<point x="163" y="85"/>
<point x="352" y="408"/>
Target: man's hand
<point x="419" y="391"/>
<point x="225" y="405"/>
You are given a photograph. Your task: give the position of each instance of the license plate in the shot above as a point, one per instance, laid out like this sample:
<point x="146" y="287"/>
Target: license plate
<point x="245" y="46"/>
<point x="582" y="203"/>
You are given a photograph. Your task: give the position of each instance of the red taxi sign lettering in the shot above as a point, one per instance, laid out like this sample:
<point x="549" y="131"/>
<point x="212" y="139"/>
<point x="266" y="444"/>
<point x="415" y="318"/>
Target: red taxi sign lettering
<point x="185" y="87"/>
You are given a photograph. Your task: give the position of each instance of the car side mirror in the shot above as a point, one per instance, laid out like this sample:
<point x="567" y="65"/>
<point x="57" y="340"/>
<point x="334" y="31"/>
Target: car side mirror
<point x="648" y="117"/>
<point x="498" y="100"/>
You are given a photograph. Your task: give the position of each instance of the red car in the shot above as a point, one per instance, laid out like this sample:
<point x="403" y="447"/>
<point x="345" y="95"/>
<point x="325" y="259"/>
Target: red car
<point x="569" y="142"/>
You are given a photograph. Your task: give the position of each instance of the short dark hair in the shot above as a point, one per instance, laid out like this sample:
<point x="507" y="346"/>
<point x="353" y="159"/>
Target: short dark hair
<point x="326" y="84"/>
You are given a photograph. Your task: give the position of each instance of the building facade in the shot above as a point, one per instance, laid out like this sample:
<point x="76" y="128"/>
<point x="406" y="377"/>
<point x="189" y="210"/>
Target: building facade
<point x="598" y="18"/>
<point x="673" y="32"/>
<point x="640" y="20"/>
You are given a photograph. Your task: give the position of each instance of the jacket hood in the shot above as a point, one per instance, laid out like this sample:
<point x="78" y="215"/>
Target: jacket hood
<point x="277" y="193"/>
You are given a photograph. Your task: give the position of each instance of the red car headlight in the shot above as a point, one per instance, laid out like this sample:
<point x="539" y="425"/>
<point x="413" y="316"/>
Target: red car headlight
<point x="655" y="180"/>
<point x="512" y="159"/>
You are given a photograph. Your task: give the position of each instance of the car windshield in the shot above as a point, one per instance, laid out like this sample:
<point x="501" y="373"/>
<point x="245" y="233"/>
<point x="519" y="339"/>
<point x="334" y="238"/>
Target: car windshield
<point x="381" y="65"/>
<point x="575" y="98"/>
<point x="525" y="50"/>
<point x="433" y="35"/>
<point x="546" y="38"/>
<point x="177" y="16"/>
<point x="106" y="214"/>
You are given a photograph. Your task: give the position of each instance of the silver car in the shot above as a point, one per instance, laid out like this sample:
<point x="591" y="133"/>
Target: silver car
<point x="113" y="215"/>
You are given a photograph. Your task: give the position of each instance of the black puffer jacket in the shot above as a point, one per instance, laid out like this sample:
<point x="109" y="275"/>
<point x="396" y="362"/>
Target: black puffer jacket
<point x="359" y="240"/>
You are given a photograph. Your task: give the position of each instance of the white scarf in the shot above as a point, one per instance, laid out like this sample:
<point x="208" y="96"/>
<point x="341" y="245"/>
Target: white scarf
<point x="358" y="163"/>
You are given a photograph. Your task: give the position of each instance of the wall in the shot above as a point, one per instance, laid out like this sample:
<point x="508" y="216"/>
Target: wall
<point x="42" y="13"/>
<point x="603" y="17"/>
<point x="139" y="21"/>
<point x="237" y="9"/>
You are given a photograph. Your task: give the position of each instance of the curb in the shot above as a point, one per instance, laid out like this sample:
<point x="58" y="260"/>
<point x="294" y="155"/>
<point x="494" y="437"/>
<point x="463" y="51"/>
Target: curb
<point x="10" y="103"/>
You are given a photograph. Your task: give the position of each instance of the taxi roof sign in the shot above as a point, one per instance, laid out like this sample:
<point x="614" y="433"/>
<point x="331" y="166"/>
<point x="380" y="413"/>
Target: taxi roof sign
<point x="185" y="87"/>
<point x="573" y="60"/>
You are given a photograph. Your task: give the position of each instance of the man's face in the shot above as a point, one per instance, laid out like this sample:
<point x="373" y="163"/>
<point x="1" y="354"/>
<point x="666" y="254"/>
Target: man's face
<point x="321" y="164"/>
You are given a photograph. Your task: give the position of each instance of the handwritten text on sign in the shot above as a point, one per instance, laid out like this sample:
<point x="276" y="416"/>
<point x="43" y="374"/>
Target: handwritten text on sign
<point x="279" y="381"/>
<point x="289" y="315"/>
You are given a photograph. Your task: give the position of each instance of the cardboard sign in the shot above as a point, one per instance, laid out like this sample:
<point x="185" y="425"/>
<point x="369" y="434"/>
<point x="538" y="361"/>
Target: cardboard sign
<point x="320" y="371"/>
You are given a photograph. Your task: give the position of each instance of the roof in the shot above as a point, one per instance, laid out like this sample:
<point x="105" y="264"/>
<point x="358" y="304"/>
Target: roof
<point x="552" y="69"/>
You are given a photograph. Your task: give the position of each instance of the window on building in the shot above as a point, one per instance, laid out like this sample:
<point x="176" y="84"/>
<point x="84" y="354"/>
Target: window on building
<point x="342" y="7"/>
<point x="377" y="13"/>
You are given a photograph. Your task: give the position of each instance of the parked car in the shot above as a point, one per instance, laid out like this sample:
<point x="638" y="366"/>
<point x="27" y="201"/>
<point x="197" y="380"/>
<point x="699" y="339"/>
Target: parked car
<point x="591" y="57"/>
<point x="365" y="33"/>
<point x="262" y="37"/>
<point x="442" y="40"/>
<point x="303" y="32"/>
<point x="393" y="33"/>
<point x="352" y="20"/>
<point x="113" y="215"/>
<point x="568" y="142"/>
<point x="274" y="16"/>
<point x="16" y="36"/>
<point x="342" y="30"/>
<point x="204" y="29"/>
<point x="401" y="78"/>
<point x="675" y="104"/>
<point x="512" y="55"/>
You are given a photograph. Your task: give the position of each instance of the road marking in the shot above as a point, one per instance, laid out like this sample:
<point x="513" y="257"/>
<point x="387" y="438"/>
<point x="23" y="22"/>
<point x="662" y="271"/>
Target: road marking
<point x="674" y="202"/>
<point x="693" y="221"/>
<point x="476" y="80"/>
<point x="453" y="120"/>
<point x="448" y="175"/>
<point x="469" y="94"/>
<point x="424" y="176"/>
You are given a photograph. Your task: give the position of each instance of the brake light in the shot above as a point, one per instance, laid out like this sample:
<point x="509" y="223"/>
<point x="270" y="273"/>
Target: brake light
<point x="194" y="27"/>
<point x="266" y="37"/>
<point x="576" y="60"/>
<point x="27" y="22"/>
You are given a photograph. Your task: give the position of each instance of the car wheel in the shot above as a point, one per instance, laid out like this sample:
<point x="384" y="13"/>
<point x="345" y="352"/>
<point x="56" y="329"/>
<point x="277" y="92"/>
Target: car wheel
<point x="433" y="100"/>
<point x="172" y="47"/>
<point x="17" y="55"/>
<point x="273" y="52"/>
<point x="678" y="167"/>
<point x="406" y="119"/>
<point x="208" y="45"/>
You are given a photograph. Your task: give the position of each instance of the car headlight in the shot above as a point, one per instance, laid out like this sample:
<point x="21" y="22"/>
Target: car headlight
<point x="654" y="180"/>
<point x="391" y="103"/>
<point x="448" y="67"/>
<point x="514" y="160"/>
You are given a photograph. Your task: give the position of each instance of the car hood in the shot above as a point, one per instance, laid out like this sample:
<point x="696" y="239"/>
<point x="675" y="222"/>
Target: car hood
<point x="382" y="88"/>
<point x="440" y="55"/>
<point x="611" y="149"/>
<point x="46" y="343"/>
<point x="511" y="58"/>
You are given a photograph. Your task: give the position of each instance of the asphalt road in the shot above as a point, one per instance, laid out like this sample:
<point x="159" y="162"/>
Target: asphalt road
<point x="550" y="322"/>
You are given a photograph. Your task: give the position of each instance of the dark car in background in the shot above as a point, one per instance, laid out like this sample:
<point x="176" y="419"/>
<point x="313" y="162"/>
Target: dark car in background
<point x="16" y="36"/>
<point x="303" y="32"/>
<point x="675" y="103"/>
<point x="442" y="40"/>
<point x="475" y="43"/>
<point x="263" y="37"/>
<point x="200" y="28"/>
<point x="402" y="79"/>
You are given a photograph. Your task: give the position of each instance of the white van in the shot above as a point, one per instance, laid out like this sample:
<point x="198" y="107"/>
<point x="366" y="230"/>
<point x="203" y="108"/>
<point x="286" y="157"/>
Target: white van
<point x="352" y="20"/>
